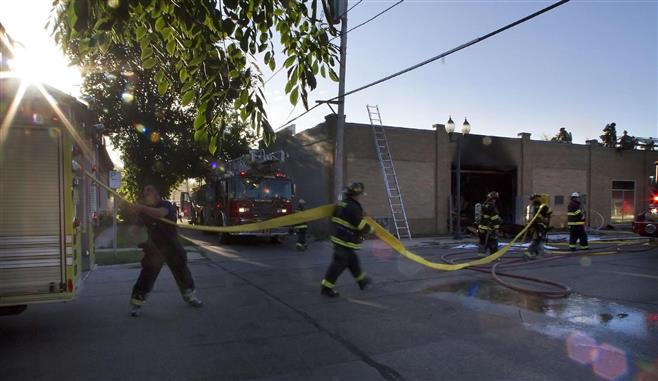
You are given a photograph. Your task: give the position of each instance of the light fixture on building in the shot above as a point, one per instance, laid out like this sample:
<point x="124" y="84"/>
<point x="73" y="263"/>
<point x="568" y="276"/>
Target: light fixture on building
<point x="452" y="137"/>
<point x="450" y="126"/>
<point x="466" y="127"/>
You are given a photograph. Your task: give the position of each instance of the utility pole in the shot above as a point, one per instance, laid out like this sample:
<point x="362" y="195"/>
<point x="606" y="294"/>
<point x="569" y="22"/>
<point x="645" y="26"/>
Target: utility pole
<point x="340" y="123"/>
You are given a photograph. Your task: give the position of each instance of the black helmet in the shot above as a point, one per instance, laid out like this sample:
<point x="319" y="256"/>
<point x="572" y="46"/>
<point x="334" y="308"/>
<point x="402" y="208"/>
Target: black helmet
<point x="492" y="195"/>
<point x="354" y="189"/>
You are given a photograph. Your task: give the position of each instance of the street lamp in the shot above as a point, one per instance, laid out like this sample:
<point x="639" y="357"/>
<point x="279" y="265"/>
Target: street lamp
<point x="450" y="129"/>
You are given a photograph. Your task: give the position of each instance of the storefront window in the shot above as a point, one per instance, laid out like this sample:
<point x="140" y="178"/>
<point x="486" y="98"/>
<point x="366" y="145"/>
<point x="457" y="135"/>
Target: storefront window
<point x="623" y="201"/>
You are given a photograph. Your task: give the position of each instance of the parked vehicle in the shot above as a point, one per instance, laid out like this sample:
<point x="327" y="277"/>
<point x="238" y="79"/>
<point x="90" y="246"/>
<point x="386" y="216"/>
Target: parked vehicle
<point x="246" y="190"/>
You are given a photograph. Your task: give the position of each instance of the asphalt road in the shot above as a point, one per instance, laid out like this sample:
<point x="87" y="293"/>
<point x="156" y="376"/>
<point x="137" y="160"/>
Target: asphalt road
<point x="264" y="319"/>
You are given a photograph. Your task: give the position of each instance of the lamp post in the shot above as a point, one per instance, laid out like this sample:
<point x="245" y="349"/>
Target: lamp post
<point x="450" y="129"/>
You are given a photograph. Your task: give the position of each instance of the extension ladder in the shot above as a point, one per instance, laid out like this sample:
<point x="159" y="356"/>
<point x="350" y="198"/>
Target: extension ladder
<point x="398" y="213"/>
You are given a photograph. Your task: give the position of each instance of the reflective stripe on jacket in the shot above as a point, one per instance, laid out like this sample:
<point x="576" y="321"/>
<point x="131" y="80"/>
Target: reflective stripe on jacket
<point x="490" y="219"/>
<point x="575" y="215"/>
<point x="348" y="224"/>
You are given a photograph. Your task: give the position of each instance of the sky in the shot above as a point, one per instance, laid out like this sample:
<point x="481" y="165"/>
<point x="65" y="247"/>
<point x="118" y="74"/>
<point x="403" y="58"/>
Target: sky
<point x="580" y="66"/>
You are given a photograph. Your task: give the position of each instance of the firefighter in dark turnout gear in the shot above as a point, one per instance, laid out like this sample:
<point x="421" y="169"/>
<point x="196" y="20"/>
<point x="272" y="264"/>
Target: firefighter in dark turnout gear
<point x="300" y="229"/>
<point x="539" y="226"/>
<point x="576" y="222"/>
<point x="348" y="230"/>
<point x="489" y="225"/>
<point x="162" y="246"/>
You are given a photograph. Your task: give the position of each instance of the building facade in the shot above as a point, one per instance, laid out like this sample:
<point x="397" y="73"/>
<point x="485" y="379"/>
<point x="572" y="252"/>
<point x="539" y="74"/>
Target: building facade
<point x="615" y="185"/>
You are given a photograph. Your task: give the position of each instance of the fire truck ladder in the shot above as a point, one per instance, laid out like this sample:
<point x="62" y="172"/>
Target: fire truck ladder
<point x="255" y="157"/>
<point x="390" y="177"/>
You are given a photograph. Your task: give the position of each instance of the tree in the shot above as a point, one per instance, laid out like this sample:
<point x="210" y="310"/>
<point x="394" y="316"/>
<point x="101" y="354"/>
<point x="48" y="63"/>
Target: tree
<point x="152" y="130"/>
<point x="206" y="51"/>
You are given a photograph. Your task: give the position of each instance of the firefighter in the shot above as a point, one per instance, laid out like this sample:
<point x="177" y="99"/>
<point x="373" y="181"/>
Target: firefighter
<point x="576" y="222"/>
<point x="348" y="230"/>
<point x="539" y="226"/>
<point x="626" y="141"/>
<point x="300" y="229"/>
<point x="162" y="246"/>
<point x="609" y="136"/>
<point x="489" y="225"/>
<point x="563" y="136"/>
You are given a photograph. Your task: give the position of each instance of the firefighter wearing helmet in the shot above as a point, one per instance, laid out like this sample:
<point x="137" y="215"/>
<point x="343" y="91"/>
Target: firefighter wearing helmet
<point x="349" y="226"/>
<point x="539" y="225"/>
<point x="489" y="225"/>
<point x="576" y="222"/>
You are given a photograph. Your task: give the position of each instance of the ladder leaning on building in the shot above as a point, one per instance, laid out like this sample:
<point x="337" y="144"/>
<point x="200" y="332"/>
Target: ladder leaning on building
<point x="398" y="213"/>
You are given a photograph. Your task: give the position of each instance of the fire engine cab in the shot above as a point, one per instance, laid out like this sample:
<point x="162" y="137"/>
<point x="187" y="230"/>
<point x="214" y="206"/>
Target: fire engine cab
<point x="245" y="190"/>
<point x="646" y="224"/>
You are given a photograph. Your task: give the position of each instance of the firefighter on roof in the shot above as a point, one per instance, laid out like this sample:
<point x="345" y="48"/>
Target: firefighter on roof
<point x="349" y="228"/>
<point x="301" y="228"/>
<point x="576" y="222"/>
<point x="489" y="225"/>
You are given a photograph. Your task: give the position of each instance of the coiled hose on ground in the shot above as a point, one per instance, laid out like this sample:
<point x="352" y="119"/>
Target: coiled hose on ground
<point x="500" y="270"/>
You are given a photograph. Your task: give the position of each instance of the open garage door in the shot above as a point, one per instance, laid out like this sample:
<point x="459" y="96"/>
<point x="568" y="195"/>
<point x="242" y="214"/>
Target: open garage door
<point x="477" y="182"/>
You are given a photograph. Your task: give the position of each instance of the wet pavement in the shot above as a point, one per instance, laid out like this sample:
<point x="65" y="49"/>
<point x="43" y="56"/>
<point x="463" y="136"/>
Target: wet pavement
<point x="264" y="319"/>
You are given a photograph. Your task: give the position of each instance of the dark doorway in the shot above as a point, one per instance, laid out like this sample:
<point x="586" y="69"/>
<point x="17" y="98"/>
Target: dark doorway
<point x="477" y="182"/>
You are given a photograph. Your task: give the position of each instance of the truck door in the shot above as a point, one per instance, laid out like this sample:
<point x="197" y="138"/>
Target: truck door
<point x="32" y="230"/>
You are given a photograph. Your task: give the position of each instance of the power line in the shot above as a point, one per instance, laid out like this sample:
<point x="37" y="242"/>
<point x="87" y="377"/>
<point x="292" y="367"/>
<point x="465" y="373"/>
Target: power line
<point x="375" y="16"/>
<point x="274" y="74"/>
<point x="442" y="55"/>
<point x="350" y="8"/>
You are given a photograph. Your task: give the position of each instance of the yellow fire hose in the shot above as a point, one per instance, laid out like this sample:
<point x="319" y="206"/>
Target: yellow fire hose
<point x="326" y="211"/>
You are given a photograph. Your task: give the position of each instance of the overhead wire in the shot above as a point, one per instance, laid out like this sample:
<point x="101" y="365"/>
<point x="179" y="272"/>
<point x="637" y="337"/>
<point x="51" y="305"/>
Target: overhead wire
<point x="437" y="57"/>
<point x="370" y="19"/>
<point x="350" y="8"/>
<point x="351" y="29"/>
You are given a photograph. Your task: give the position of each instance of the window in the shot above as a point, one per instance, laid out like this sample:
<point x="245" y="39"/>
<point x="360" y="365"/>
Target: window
<point x="559" y="200"/>
<point x="261" y="188"/>
<point x="623" y="201"/>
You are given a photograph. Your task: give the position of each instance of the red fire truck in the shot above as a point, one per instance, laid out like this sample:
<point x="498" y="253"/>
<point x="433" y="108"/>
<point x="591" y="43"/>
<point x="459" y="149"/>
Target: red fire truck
<point x="245" y="190"/>
<point x="646" y="224"/>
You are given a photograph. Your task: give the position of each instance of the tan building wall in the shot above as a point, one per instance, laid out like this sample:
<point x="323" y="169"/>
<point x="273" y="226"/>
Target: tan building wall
<point x="425" y="164"/>
<point x="413" y="153"/>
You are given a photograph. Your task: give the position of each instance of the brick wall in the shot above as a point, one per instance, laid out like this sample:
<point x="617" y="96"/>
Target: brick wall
<point x="423" y="160"/>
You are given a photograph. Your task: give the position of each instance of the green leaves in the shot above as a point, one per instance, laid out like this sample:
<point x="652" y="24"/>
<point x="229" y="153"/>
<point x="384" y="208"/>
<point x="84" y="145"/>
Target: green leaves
<point x="289" y="61"/>
<point x="198" y="122"/>
<point x="201" y="57"/>
<point x="149" y="63"/>
<point x="163" y="87"/>
<point x="333" y="75"/>
<point x="294" y="96"/>
<point x="183" y="75"/>
<point x="159" y="24"/>
<point x="171" y="46"/>
<point x="187" y="98"/>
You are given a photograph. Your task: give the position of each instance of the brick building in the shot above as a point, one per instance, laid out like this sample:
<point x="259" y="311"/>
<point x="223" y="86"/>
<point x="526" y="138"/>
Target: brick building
<point x="615" y="185"/>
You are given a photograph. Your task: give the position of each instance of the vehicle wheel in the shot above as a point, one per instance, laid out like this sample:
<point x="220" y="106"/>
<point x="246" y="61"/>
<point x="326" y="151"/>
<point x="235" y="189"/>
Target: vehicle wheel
<point x="12" y="310"/>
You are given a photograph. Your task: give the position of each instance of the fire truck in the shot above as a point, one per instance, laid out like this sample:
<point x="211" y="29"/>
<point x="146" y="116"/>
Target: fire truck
<point x="646" y="224"/>
<point x="245" y="190"/>
<point x="42" y="202"/>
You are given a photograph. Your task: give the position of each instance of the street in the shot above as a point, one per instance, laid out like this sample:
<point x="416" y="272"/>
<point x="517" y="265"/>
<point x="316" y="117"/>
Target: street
<point x="264" y="319"/>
